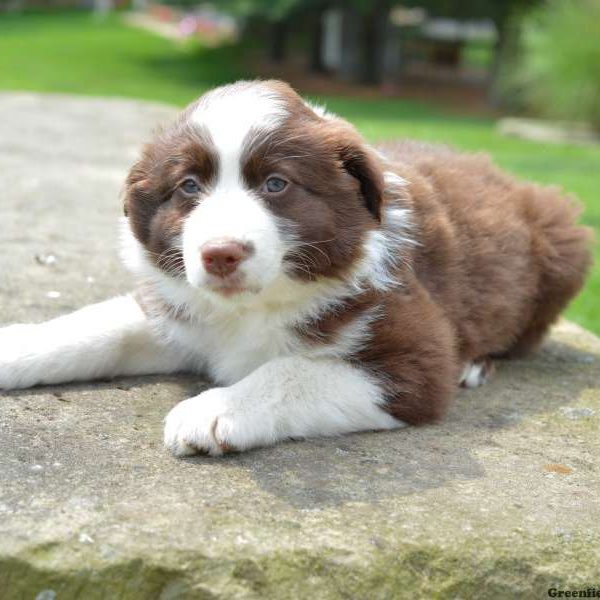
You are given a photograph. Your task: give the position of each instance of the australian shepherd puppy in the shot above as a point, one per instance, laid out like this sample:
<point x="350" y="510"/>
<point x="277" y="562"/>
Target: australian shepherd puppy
<point x="323" y="285"/>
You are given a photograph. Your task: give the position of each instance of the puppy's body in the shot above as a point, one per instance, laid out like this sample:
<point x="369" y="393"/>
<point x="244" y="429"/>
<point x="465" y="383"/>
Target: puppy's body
<point x="357" y="296"/>
<point x="501" y="257"/>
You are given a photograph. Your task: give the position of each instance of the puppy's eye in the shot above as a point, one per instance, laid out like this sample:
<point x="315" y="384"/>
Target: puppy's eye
<point x="273" y="185"/>
<point x="190" y="186"/>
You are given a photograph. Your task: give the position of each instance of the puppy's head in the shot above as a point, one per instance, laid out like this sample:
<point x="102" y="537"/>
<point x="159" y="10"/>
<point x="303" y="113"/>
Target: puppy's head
<point x="251" y="186"/>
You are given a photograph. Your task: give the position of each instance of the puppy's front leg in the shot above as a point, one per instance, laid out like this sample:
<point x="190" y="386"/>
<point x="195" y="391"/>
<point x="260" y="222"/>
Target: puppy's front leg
<point x="284" y="398"/>
<point x="101" y="340"/>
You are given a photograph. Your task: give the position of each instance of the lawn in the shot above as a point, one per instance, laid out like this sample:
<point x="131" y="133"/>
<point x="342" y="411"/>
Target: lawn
<point x="75" y="53"/>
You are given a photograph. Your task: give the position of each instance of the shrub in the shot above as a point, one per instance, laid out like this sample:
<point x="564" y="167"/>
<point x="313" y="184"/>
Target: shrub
<point x="558" y="74"/>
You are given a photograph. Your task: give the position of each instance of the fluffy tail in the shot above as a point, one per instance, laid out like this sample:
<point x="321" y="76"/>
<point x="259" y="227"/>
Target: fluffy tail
<point x="562" y="252"/>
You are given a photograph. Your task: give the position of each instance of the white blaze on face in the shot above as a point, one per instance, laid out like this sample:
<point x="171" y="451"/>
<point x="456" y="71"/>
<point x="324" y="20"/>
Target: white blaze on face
<point x="230" y="210"/>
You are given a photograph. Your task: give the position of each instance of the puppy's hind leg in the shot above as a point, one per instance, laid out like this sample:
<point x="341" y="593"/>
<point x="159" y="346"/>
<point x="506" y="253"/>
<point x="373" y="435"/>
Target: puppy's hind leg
<point x="562" y="252"/>
<point x="476" y="373"/>
<point x="101" y="340"/>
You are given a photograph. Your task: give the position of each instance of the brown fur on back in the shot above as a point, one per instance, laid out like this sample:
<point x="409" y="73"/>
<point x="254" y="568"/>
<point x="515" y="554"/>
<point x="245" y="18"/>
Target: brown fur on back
<point x="499" y="256"/>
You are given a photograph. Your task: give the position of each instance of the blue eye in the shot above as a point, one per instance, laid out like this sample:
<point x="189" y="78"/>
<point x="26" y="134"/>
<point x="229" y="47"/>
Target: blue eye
<point x="275" y="185"/>
<point x="190" y="186"/>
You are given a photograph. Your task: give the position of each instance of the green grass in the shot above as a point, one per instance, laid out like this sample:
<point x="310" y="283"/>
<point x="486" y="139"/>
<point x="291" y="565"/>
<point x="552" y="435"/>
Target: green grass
<point x="74" y="53"/>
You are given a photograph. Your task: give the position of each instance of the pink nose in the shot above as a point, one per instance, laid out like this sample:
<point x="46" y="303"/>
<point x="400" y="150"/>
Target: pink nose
<point x="222" y="257"/>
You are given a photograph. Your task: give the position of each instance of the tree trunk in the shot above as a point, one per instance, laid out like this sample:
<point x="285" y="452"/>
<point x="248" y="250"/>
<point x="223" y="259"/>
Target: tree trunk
<point x="375" y="36"/>
<point x="350" y="66"/>
<point x="278" y="38"/>
<point x="316" y="64"/>
<point x="505" y="52"/>
<point x="393" y="56"/>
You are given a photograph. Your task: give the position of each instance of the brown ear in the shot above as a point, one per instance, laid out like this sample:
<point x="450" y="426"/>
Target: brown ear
<point x="135" y="175"/>
<point x="362" y="165"/>
<point x="140" y="198"/>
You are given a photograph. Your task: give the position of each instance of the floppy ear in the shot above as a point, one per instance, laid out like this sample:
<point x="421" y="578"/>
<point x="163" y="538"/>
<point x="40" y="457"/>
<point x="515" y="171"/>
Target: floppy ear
<point x="140" y="198"/>
<point x="359" y="162"/>
<point x="136" y="174"/>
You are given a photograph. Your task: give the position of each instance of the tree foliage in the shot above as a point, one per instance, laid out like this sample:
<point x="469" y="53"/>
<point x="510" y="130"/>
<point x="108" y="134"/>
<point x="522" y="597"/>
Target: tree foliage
<point x="559" y="71"/>
<point x="364" y="26"/>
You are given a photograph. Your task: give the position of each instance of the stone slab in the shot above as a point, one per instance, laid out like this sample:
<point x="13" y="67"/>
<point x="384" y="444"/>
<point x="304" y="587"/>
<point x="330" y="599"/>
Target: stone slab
<point x="501" y="500"/>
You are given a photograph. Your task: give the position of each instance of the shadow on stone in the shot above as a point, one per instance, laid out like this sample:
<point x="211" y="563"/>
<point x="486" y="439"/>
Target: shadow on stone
<point x="363" y="467"/>
<point x="370" y="466"/>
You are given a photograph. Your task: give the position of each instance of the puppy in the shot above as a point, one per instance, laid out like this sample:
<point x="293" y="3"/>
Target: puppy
<point x="324" y="286"/>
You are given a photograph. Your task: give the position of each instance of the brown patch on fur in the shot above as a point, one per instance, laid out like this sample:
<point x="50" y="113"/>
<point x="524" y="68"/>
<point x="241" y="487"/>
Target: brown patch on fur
<point x="410" y="350"/>
<point x="326" y="329"/>
<point x="412" y="353"/>
<point x="155" y="205"/>
<point x="335" y="191"/>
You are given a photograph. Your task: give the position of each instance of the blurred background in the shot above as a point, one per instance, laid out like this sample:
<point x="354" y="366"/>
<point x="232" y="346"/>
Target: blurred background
<point x="519" y="79"/>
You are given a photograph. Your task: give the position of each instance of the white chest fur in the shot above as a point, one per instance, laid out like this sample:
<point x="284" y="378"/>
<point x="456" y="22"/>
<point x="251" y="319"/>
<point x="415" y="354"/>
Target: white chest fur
<point x="229" y="349"/>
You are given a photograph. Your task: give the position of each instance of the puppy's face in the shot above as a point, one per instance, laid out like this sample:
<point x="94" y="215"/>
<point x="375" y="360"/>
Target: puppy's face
<point x="252" y="186"/>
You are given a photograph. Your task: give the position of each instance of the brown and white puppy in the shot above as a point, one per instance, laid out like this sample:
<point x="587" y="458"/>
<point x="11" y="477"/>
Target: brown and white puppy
<point x="324" y="286"/>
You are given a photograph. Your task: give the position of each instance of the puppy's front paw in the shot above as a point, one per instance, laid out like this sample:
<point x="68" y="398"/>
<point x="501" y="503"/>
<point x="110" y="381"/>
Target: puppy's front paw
<point x="199" y="424"/>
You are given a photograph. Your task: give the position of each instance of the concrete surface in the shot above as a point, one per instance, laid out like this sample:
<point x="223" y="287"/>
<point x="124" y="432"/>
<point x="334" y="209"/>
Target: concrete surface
<point x="553" y="132"/>
<point x="501" y="500"/>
